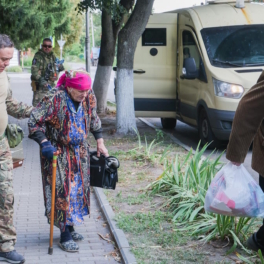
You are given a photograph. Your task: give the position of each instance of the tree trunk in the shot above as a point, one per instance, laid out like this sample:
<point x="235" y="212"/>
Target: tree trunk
<point x="125" y="115"/>
<point x="106" y="59"/>
<point x="127" y="42"/>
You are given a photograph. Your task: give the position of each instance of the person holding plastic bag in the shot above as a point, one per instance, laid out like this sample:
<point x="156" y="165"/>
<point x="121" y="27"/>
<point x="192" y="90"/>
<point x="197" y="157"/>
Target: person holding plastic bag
<point x="248" y="126"/>
<point x="234" y="192"/>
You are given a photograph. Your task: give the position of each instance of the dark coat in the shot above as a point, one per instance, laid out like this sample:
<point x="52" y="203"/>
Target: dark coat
<point x="248" y="126"/>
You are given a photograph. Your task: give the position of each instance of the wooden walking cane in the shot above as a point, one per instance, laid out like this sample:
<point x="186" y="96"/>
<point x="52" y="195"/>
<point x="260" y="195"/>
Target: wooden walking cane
<point x="53" y="187"/>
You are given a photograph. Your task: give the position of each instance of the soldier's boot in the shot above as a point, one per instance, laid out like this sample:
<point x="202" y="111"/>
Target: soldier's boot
<point x="12" y="257"/>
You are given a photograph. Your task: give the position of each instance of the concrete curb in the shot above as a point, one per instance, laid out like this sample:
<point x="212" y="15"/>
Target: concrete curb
<point x="118" y="234"/>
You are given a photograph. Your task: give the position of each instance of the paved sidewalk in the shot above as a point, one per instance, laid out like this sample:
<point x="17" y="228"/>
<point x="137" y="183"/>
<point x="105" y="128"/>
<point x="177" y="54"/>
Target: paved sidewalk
<point x="29" y="219"/>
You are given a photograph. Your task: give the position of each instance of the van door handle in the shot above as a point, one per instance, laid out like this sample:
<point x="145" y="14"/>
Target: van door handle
<point x="139" y="71"/>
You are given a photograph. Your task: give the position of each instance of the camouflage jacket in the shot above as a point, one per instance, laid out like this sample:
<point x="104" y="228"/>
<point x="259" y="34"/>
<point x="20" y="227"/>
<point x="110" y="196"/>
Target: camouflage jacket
<point x="44" y="70"/>
<point x="17" y="109"/>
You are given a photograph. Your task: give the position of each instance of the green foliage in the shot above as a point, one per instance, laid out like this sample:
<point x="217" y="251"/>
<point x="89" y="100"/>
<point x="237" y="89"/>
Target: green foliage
<point x="113" y="7"/>
<point x="148" y="152"/>
<point x="75" y="49"/>
<point x="261" y="256"/>
<point x="27" y="62"/>
<point x="28" y="22"/>
<point x="81" y="56"/>
<point x="14" y="69"/>
<point x="160" y="134"/>
<point x="184" y="186"/>
<point x="75" y="29"/>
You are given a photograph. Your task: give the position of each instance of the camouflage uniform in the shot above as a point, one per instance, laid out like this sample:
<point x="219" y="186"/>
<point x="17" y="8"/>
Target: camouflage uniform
<point x="44" y="73"/>
<point x="7" y="230"/>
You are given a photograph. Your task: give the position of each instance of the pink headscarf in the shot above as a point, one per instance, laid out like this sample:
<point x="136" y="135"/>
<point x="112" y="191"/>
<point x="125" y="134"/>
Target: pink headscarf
<point x="77" y="80"/>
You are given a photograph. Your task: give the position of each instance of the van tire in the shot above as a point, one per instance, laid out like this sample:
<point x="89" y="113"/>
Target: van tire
<point x="168" y="123"/>
<point x="205" y="131"/>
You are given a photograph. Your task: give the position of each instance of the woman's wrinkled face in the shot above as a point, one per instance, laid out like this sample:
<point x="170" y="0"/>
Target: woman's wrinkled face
<point x="77" y="95"/>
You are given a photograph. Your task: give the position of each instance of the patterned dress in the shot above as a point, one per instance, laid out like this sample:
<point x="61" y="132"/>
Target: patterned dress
<point x="67" y="129"/>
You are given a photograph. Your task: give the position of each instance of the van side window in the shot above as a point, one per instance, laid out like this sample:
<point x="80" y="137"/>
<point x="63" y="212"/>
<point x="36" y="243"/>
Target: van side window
<point x="154" y="37"/>
<point x="190" y="50"/>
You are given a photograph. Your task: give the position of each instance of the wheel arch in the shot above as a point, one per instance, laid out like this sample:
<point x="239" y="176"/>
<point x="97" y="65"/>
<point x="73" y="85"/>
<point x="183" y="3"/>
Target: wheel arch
<point x="201" y="105"/>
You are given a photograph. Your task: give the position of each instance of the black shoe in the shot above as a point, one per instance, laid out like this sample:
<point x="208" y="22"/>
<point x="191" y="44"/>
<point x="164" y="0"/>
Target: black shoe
<point x="12" y="257"/>
<point x="254" y="243"/>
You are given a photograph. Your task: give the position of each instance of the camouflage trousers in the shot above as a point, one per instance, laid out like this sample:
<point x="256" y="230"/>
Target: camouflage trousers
<point x="37" y="96"/>
<point x="7" y="230"/>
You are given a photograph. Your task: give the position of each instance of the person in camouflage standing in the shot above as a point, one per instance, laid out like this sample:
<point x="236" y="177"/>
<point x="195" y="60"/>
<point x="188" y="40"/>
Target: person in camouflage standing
<point x="44" y="71"/>
<point x="8" y="106"/>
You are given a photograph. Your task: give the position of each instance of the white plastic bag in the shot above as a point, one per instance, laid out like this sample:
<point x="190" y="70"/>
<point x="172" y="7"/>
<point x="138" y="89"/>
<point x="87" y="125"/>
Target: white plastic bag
<point x="234" y="192"/>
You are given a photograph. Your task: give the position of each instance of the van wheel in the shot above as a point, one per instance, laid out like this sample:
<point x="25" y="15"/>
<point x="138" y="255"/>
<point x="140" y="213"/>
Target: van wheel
<point x="168" y="123"/>
<point x="205" y="132"/>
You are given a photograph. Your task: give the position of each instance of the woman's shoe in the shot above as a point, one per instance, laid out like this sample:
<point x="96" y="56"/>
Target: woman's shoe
<point x="69" y="246"/>
<point x="76" y="236"/>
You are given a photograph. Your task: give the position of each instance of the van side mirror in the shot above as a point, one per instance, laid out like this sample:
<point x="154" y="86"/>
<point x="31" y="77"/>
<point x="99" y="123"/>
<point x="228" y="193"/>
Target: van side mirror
<point x="189" y="70"/>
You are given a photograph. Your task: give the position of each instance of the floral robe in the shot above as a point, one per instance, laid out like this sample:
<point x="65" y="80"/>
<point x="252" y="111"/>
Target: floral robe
<point x="67" y="130"/>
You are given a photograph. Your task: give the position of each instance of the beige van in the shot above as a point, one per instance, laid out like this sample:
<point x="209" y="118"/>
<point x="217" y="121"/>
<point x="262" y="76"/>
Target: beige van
<point x="195" y="64"/>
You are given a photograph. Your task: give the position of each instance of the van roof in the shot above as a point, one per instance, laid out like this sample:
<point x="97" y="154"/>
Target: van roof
<point x="220" y="15"/>
<point x="225" y="1"/>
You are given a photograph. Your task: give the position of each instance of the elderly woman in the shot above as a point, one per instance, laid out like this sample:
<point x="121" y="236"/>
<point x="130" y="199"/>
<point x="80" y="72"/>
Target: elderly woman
<point x="61" y="121"/>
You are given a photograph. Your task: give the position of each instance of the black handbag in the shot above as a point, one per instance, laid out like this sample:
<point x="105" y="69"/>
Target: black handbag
<point x="103" y="171"/>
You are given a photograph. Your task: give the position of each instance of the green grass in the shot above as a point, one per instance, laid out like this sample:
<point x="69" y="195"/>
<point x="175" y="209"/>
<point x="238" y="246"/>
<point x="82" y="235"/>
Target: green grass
<point x="154" y="242"/>
<point x="139" y="222"/>
<point x="14" y="69"/>
<point x="109" y="104"/>
<point x="27" y="62"/>
<point x="132" y="199"/>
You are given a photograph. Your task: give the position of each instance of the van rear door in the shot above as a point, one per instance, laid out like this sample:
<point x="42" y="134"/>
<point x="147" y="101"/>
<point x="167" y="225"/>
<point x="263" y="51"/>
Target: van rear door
<point x="155" y="68"/>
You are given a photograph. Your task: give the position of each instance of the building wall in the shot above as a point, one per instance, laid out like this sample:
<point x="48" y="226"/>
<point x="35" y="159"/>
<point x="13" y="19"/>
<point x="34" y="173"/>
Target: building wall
<point x="15" y="60"/>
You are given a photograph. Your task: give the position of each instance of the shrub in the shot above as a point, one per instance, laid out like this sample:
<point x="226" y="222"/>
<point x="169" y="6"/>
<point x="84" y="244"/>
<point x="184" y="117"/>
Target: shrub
<point x="184" y="185"/>
<point x="14" y="69"/>
<point x="75" y="49"/>
<point x="27" y="61"/>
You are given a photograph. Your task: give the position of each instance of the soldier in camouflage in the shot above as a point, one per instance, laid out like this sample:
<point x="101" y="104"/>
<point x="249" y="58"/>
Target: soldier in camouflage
<point x="44" y="71"/>
<point x="10" y="106"/>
